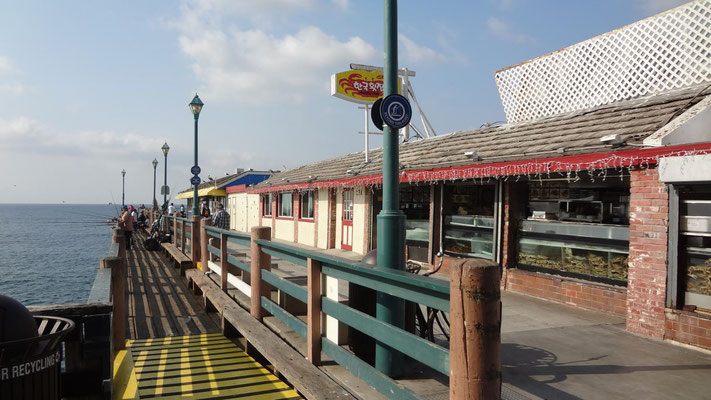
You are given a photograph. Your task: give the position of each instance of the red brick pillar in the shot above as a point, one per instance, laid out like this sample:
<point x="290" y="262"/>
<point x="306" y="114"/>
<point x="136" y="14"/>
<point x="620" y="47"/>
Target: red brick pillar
<point x="646" y="276"/>
<point x="514" y="209"/>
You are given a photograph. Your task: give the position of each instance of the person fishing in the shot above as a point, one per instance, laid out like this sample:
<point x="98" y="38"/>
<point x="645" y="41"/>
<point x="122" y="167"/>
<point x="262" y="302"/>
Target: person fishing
<point x="126" y="222"/>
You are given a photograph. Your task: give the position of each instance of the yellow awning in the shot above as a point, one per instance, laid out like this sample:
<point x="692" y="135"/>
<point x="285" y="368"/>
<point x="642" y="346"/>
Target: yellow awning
<point x="210" y="191"/>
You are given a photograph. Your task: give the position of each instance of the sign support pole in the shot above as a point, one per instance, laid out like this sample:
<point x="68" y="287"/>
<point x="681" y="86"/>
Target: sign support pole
<point x="367" y="146"/>
<point x="391" y="221"/>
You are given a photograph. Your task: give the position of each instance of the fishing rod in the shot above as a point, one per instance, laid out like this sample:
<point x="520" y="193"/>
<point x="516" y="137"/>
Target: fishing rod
<point x="88" y="214"/>
<point x="113" y="201"/>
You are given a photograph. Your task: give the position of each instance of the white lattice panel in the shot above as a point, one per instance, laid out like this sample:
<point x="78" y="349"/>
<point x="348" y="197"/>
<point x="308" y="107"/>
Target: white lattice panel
<point x="666" y="51"/>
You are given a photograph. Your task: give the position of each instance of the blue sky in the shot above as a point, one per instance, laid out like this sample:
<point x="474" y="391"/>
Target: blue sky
<point x="90" y="88"/>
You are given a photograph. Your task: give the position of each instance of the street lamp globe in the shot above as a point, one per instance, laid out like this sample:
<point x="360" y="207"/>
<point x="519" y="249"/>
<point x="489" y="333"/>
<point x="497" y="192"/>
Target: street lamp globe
<point x="196" y="106"/>
<point x="123" y="172"/>
<point x="165" y="148"/>
<point x="155" y="163"/>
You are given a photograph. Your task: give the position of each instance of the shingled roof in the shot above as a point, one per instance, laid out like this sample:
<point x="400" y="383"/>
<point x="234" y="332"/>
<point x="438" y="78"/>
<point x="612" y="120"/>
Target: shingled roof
<point x="573" y="133"/>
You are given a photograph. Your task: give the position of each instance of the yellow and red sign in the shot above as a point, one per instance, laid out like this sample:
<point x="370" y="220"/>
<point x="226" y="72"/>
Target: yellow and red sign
<point x="358" y="86"/>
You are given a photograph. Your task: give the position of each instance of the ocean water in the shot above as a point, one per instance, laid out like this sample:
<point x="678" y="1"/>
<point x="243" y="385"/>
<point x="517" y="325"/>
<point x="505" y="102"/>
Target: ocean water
<point x="49" y="253"/>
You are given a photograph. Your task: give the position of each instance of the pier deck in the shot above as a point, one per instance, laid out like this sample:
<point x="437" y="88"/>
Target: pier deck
<point x="159" y="303"/>
<point x="207" y="366"/>
<point x="173" y="349"/>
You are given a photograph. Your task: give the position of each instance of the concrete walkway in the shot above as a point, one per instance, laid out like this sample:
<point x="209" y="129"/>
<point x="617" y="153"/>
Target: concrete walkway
<point x="553" y="351"/>
<point x="557" y="352"/>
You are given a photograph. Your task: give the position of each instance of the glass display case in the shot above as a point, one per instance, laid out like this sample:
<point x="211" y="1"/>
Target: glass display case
<point x="468" y="220"/>
<point x="695" y="254"/>
<point x="585" y="250"/>
<point x="470" y="235"/>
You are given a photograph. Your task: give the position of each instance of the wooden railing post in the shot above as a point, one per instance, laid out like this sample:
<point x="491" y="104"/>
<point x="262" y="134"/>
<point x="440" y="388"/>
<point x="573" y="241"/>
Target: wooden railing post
<point x="223" y="261"/>
<point x="175" y="232"/>
<point x="121" y="240"/>
<point x="260" y="261"/>
<point x="195" y="239"/>
<point x="313" y="311"/>
<point x="182" y="236"/>
<point x="204" y="254"/>
<point x="475" y="331"/>
<point x="118" y="295"/>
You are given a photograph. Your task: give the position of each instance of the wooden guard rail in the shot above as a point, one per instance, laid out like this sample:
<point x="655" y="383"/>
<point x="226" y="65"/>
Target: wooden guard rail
<point x="473" y="360"/>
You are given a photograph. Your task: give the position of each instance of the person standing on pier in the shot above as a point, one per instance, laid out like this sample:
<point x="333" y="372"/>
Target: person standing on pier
<point x="171" y="209"/>
<point x="221" y="219"/>
<point x="126" y="222"/>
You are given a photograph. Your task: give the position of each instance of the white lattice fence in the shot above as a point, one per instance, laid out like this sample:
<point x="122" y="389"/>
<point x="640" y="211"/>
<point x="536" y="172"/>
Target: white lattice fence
<point x="666" y="51"/>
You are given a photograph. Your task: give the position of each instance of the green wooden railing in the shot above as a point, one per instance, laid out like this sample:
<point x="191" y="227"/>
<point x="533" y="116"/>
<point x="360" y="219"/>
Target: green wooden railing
<point x="422" y="290"/>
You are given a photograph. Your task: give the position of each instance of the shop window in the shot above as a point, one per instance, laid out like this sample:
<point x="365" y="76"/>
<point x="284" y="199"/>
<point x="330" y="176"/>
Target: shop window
<point x="415" y="204"/>
<point x="578" y="228"/>
<point x="284" y="206"/>
<point x="468" y="220"/>
<point x="267" y="205"/>
<point x="306" y="209"/>
<point x="695" y="247"/>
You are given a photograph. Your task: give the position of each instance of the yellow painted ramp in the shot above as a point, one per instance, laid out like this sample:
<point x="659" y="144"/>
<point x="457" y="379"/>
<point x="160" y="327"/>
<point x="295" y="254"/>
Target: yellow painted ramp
<point x="207" y="366"/>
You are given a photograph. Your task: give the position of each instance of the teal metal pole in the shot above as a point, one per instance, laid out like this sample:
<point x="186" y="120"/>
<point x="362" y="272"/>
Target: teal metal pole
<point x="391" y="221"/>
<point x="195" y="187"/>
<point x="154" y="187"/>
<point x="165" y="179"/>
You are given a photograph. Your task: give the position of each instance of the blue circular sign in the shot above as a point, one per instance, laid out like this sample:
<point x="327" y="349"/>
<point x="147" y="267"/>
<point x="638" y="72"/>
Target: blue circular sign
<point x="396" y="111"/>
<point x="195" y="170"/>
<point x="195" y="180"/>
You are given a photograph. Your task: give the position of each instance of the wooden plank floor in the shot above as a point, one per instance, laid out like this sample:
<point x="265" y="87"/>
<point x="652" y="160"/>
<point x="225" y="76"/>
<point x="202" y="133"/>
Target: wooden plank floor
<point x="159" y="302"/>
<point x="207" y="366"/>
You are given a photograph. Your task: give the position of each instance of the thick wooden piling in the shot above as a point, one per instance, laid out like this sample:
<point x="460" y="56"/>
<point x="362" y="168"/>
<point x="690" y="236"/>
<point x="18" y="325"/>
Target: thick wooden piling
<point x="260" y="261"/>
<point x="475" y="342"/>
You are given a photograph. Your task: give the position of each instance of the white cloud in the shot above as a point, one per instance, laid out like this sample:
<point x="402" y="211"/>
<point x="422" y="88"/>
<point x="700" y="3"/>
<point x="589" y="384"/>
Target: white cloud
<point x="253" y="65"/>
<point x="14" y="88"/>
<point x="506" y="32"/>
<point x="343" y="4"/>
<point x="7" y="66"/>
<point x="25" y="135"/>
<point x="655" y="6"/>
<point x="411" y="51"/>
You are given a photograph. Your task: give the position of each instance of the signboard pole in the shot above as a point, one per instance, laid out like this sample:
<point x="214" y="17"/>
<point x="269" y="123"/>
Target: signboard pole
<point x="391" y="221"/>
<point x="367" y="146"/>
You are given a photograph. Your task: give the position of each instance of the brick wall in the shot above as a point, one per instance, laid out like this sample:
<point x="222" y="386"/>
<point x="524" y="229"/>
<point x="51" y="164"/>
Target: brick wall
<point x="514" y="208"/>
<point x="687" y="327"/>
<point x="588" y="295"/>
<point x="646" y="280"/>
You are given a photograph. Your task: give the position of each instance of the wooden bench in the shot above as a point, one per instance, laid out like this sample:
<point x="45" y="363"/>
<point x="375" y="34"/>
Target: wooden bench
<point x="308" y="379"/>
<point x="181" y="260"/>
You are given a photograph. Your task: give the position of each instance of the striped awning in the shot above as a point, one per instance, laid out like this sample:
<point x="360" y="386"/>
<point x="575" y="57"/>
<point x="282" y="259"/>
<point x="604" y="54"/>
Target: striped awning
<point x="211" y="191"/>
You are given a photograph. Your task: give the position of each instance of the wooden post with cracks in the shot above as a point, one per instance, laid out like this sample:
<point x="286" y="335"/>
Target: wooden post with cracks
<point x="475" y="331"/>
